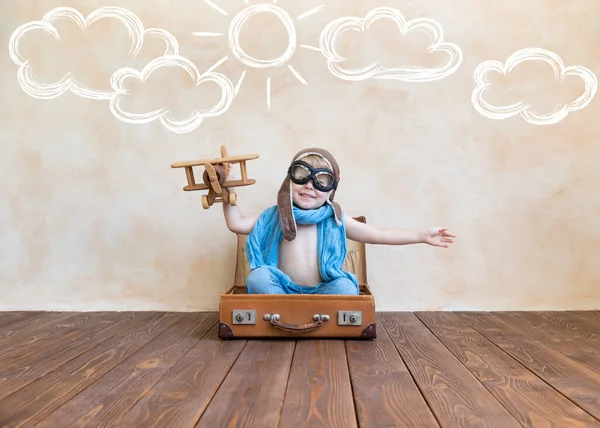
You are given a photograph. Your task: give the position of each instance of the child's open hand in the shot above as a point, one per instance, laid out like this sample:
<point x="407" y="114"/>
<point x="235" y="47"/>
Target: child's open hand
<point x="439" y="237"/>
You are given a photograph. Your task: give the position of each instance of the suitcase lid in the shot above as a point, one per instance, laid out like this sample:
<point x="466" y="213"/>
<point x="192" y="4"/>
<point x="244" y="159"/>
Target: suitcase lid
<point x="356" y="260"/>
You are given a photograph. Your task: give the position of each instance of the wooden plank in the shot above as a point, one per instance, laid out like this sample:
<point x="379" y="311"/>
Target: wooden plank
<point x="385" y="393"/>
<point x="319" y="392"/>
<point x="7" y="315"/>
<point x="4" y="315"/>
<point x="36" y="401"/>
<point x="16" y="317"/>
<point x="182" y="395"/>
<point x="253" y="391"/>
<point x="529" y="399"/>
<point x="74" y="327"/>
<point x="592" y="316"/>
<point x="583" y="323"/>
<point x="19" y="337"/>
<point x="456" y="398"/>
<point x="31" y="325"/>
<point x="109" y="398"/>
<point x="578" y="348"/>
<point x="24" y="366"/>
<point x="574" y="380"/>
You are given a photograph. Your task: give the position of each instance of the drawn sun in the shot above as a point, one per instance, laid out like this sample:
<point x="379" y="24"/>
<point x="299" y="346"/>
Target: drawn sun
<point x="235" y="28"/>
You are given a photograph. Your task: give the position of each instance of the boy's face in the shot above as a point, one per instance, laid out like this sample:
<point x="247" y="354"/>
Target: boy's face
<point x="306" y="196"/>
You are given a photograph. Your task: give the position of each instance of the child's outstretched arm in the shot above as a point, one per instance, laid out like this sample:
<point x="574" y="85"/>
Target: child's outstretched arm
<point x="235" y="220"/>
<point x="369" y="234"/>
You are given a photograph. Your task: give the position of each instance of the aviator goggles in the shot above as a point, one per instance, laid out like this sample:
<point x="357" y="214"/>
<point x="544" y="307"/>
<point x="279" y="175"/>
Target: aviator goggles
<point x="300" y="172"/>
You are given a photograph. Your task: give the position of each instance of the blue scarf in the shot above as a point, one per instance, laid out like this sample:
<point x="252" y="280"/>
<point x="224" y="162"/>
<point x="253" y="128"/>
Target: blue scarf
<point x="262" y="245"/>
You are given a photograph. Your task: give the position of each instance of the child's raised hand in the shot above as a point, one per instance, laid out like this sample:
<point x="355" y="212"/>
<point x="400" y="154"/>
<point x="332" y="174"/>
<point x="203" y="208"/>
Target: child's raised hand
<point x="439" y="237"/>
<point x="233" y="174"/>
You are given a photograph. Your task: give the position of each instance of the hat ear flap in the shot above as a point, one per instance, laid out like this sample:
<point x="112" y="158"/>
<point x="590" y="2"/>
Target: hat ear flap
<point x="286" y="213"/>
<point x="336" y="208"/>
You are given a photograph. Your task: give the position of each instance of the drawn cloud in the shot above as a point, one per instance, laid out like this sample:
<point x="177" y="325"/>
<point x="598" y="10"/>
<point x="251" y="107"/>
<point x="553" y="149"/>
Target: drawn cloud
<point x="334" y="29"/>
<point x="522" y="108"/>
<point x="189" y="124"/>
<point x="68" y="82"/>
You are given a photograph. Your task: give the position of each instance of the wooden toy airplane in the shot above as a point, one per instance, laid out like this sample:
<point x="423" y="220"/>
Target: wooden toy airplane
<point x="215" y="175"/>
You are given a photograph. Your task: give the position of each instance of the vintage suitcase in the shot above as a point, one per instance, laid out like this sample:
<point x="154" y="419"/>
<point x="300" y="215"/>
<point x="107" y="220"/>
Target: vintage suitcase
<point x="243" y="315"/>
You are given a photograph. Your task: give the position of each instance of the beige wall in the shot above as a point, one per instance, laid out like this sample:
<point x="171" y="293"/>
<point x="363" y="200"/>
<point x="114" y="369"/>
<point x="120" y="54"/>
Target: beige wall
<point x="93" y="217"/>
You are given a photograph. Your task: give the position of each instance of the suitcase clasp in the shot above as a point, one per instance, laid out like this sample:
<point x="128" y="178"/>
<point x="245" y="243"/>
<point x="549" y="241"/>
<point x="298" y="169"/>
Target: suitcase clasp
<point x="243" y="316"/>
<point x="350" y="318"/>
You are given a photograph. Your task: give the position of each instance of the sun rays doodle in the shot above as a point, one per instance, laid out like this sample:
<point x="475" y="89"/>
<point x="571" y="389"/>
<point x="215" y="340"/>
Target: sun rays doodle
<point x="235" y="28"/>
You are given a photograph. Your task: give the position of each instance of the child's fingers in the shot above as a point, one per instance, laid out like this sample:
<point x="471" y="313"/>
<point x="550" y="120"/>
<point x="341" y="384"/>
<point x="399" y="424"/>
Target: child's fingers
<point x="444" y="231"/>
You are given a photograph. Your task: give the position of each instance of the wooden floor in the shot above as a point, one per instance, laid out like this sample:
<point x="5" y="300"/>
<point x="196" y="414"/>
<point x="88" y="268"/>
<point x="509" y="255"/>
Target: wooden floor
<point x="426" y="369"/>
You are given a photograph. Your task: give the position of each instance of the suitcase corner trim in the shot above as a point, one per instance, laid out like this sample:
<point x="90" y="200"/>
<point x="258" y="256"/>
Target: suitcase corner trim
<point x="225" y="331"/>
<point x="370" y="332"/>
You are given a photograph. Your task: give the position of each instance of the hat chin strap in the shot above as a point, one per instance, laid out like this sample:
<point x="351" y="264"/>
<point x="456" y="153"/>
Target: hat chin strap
<point x="291" y="205"/>
<point x="338" y="221"/>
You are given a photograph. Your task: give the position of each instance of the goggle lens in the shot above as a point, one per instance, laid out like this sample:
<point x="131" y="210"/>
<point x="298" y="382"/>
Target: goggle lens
<point x="301" y="173"/>
<point x="324" y="179"/>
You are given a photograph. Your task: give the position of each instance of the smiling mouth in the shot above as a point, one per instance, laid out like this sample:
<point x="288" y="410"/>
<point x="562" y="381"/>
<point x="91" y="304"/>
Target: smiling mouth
<point x="305" y="195"/>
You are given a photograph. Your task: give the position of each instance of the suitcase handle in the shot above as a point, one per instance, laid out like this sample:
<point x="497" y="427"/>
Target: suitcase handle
<point x="296" y="328"/>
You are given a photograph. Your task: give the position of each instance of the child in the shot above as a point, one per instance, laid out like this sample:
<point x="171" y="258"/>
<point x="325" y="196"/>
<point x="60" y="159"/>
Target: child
<point x="298" y="246"/>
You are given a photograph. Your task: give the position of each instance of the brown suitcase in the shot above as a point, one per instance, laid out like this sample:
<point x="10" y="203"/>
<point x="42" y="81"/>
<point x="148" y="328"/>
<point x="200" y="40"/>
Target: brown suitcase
<point x="244" y="316"/>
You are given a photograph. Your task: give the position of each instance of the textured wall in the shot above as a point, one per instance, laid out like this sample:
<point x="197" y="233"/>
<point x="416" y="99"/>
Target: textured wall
<point x="93" y="217"/>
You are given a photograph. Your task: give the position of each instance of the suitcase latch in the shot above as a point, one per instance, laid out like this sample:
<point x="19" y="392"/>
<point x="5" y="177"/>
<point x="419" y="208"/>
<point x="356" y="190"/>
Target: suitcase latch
<point x="350" y="318"/>
<point x="243" y="316"/>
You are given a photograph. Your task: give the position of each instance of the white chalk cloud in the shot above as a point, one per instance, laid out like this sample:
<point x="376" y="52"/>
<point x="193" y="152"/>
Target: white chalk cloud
<point x="68" y="82"/>
<point x="522" y="107"/>
<point x="195" y="119"/>
<point x="336" y="28"/>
